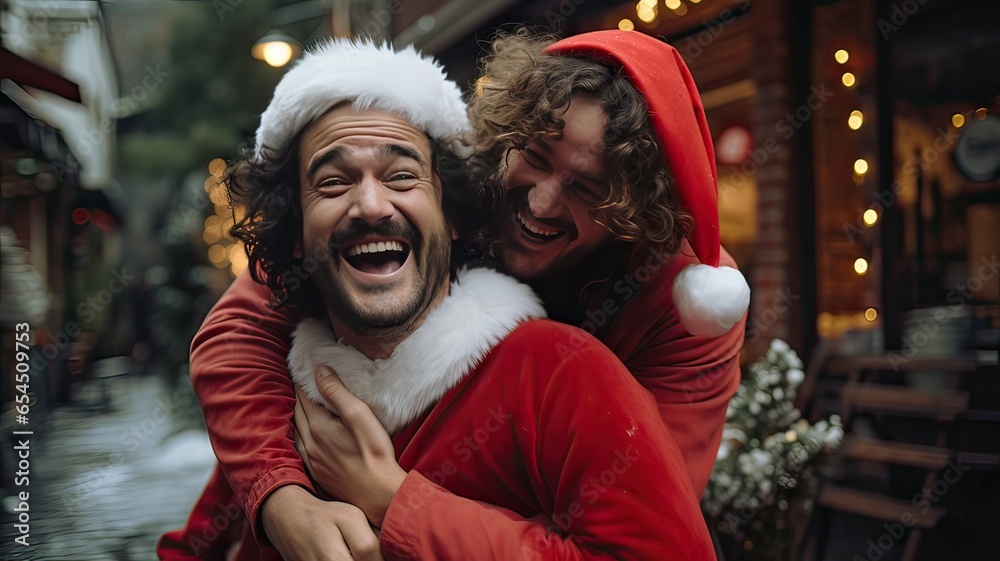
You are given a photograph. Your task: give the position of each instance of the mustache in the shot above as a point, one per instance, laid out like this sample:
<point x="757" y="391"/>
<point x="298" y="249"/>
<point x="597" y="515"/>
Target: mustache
<point x="360" y="230"/>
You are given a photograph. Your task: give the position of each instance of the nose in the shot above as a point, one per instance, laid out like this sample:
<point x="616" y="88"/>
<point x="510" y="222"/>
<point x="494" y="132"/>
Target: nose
<point x="370" y="201"/>
<point x="545" y="198"/>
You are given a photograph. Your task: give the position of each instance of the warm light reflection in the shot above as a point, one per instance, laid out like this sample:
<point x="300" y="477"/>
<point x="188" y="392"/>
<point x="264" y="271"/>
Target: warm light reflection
<point x="217" y="255"/>
<point x="861" y="166"/>
<point x="958" y="120"/>
<point x="870" y="217"/>
<point x="856" y="119"/>
<point x="981" y="113"/>
<point x="847" y="79"/>
<point x="841" y="56"/>
<point x="217" y="167"/>
<point x="238" y="259"/>
<point x="860" y="266"/>
<point x="277" y="53"/>
<point x="625" y="25"/>
<point x="871" y="314"/>
<point x="645" y="13"/>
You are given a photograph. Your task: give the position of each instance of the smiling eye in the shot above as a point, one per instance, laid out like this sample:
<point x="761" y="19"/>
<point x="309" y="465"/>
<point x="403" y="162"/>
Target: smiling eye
<point x="534" y="159"/>
<point x="402" y="176"/>
<point x="587" y="194"/>
<point x="332" y="184"/>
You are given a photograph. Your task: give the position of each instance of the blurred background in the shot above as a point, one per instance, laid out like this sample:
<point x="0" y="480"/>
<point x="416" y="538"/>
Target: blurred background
<point x="858" y="148"/>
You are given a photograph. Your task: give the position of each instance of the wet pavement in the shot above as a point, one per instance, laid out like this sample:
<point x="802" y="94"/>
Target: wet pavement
<point x="105" y="484"/>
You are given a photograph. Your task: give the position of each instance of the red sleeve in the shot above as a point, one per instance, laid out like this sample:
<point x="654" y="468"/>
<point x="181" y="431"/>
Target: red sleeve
<point x="610" y="479"/>
<point x="241" y="378"/>
<point x="692" y="378"/>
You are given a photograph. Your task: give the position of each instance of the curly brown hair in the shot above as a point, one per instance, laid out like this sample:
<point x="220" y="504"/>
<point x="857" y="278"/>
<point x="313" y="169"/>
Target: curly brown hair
<point x="517" y="100"/>
<point x="271" y="227"/>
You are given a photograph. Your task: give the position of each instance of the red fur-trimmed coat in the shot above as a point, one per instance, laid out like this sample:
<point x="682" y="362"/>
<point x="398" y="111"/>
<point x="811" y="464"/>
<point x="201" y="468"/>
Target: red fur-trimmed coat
<point x="240" y="352"/>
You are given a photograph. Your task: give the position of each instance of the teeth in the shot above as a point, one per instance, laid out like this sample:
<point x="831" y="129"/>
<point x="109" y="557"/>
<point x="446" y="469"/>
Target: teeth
<point x="534" y="229"/>
<point x="374" y="247"/>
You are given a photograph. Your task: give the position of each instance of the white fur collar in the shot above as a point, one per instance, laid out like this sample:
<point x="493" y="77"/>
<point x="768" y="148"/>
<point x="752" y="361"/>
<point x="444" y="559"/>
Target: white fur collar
<point x="483" y="307"/>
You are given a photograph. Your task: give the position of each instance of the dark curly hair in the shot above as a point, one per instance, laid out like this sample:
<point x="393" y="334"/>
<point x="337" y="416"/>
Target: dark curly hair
<point x="271" y="227"/>
<point x="517" y="100"/>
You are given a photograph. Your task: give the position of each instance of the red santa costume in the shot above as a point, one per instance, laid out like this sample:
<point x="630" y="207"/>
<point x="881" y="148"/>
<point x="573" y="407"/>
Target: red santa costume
<point x="514" y="449"/>
<point x="683" y="351"/>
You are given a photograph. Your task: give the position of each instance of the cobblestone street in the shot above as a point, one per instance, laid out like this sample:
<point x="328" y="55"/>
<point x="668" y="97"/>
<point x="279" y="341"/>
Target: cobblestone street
<point x="105" y="485"/>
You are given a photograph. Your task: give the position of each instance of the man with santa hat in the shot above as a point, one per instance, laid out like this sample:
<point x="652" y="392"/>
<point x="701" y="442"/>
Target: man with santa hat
<point x="605" y="201"/>
<point x="566" y="443"/>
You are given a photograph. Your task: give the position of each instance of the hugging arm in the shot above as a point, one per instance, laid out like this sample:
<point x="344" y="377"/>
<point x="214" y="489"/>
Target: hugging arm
<point x="240" y="376"/>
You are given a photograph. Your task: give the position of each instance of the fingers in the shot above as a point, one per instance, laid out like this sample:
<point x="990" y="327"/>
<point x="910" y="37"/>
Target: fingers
<point x="348" y="407"/>
<point x="332" y="389"/>
<point x="355" y="415"/>
<point x="360" y="538"/>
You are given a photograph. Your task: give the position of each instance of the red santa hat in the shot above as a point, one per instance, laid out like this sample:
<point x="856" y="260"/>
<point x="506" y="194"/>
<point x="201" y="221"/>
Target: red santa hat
<point x="709" y="299"/>
<point x="371" y="76"/>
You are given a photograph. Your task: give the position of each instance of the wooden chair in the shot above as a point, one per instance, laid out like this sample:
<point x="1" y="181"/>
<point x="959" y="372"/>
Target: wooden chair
<point x="941" y="407"/>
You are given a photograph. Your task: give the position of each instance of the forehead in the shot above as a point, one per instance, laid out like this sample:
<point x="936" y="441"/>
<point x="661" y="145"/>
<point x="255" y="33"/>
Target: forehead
<point x="582" y="140"/>
<point x="344" y="125"/>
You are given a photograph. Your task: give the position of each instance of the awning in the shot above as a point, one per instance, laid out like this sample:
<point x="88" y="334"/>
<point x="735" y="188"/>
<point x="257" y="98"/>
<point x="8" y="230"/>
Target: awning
<point x="26" y="73"/>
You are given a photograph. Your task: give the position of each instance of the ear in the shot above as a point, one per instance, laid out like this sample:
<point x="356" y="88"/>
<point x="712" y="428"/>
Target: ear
<point x="454" y="234"/>
<point x="297" y="252"/>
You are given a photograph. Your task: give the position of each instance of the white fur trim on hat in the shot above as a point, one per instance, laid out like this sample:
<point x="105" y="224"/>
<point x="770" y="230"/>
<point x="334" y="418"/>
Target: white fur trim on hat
<point x="710" y="300"/>
<point x="372" y="77"/>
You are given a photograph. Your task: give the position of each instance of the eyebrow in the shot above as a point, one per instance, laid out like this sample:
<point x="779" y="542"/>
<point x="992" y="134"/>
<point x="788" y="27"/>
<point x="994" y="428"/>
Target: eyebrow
<point x="327" y="157"/>
<point x="342" y="152"/>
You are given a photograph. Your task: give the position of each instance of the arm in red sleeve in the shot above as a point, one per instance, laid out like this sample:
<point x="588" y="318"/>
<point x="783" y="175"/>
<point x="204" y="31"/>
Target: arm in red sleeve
<point x="612" y="483"/>
<point x="240" y="376"/>
<point x="692" y="378"/>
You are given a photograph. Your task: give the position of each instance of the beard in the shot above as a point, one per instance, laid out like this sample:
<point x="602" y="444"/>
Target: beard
<point x="385" y="311"/>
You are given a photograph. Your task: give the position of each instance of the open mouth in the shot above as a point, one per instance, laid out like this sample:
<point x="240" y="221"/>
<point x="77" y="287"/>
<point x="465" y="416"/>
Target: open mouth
<point x="535" y="231"/>
<point x="377" y="258"/>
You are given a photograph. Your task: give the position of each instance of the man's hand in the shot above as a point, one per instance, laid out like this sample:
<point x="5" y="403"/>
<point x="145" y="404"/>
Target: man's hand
<point x="304" y="528"/>
<point x="351" y="456"/>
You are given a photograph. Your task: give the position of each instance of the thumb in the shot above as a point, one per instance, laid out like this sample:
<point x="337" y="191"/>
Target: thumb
<point x="332" y="389"/>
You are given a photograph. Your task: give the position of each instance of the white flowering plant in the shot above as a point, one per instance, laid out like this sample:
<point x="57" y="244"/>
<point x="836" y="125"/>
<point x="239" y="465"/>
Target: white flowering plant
<point x="767" y="470"/>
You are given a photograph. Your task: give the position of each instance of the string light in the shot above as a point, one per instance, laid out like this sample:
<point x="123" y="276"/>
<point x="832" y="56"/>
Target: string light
<point x="680" y="10"/>
<point x="870" y="217"/>
<point x="672" y="4"/>
<point x="217" y="255"/>
<point x="856" y="119"/>
<point x="958" y="120"/>
<point x="626" y="25"/>
<point x="645" y="12"/>
<point x="848" y="79"/>
<point x="981" y="113"/>
<point x="860" y="166"/>
<point x="871" y="314"/>
<point x="860" y="266"/>
<point x="841" y="56"/>
<point x="216" y="167"/>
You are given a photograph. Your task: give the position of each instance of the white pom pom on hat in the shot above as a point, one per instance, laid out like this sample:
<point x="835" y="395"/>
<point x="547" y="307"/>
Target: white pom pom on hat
<point x="710" y="299"/>
<point x="371" y="76"/>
